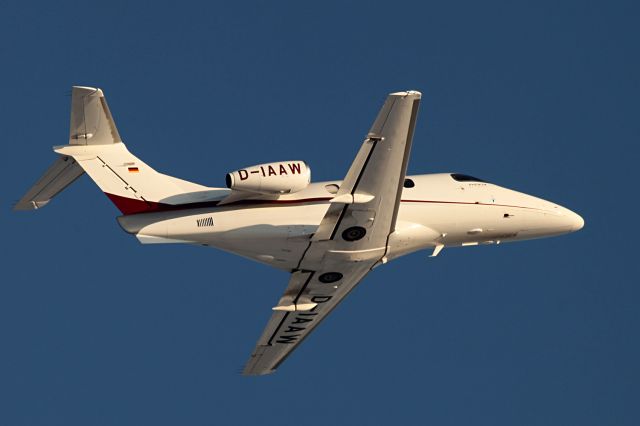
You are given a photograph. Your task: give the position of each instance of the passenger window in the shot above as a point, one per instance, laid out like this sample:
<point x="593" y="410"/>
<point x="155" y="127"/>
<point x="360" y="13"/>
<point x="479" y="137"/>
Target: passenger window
<point x="408" y="183"/>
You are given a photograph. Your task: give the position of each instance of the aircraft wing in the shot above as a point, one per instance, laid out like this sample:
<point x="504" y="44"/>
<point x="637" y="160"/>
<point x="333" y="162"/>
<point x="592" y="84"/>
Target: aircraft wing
<point x="351" y="239"/>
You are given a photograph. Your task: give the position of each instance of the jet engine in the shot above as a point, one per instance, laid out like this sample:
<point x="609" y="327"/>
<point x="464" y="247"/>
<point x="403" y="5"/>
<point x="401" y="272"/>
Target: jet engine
<point x="272" y="178"/>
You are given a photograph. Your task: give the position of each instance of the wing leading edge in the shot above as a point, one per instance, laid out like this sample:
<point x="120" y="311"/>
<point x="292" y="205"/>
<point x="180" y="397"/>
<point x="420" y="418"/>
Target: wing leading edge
<point x="351" y="239"/>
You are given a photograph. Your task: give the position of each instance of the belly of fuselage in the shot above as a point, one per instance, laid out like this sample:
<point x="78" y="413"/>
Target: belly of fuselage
<point x="274" y="234"/>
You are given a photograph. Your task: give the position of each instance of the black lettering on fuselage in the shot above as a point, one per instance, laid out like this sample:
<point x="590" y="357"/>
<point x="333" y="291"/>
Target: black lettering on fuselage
<point x="295" y="168"/>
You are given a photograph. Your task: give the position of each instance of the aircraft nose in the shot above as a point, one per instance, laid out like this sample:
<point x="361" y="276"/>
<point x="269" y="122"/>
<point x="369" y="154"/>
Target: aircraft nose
<point x="577" y="222"/>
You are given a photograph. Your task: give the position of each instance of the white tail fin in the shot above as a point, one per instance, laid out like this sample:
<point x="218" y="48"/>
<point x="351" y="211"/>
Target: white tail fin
<point x="95" y="147"/>
<point x="91" y="120"/>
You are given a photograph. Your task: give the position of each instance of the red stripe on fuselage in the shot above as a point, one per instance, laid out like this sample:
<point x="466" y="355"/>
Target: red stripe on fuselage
<point x="134" y="206"/>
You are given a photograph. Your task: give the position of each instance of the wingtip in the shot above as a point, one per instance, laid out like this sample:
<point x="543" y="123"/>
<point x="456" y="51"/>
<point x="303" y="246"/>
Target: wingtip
<point x="88" y="90"/>
<point x="28" y="205"/>
<point x="407" y="93"/>
<point x="250" y="370"/>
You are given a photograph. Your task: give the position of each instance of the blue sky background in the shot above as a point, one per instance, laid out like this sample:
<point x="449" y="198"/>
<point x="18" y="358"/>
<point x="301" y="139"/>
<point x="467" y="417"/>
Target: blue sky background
<point x="96" y="329"/>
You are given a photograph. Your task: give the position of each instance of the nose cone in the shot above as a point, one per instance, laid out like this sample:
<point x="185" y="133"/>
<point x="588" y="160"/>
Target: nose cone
<point x="568" y="220"/>
<point x="552" y="220"/>
<point x="577" y="222"/>
<point x="542" y="218"/>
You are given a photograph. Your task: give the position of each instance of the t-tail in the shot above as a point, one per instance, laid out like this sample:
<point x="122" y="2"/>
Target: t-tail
<point x="95" y="148"/>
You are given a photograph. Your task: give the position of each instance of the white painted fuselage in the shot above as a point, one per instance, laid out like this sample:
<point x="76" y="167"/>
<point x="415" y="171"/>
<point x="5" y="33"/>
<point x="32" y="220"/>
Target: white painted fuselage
<point x="438" y="211"/>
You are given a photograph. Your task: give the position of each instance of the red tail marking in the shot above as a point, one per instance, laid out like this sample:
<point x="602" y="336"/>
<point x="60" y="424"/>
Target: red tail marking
<point x="132" y="205"/>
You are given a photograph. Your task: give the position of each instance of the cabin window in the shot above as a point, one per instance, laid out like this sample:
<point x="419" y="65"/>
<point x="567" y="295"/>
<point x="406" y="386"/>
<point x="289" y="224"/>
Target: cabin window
<point x="465" y="178"/>
<point x="409" y="183"/>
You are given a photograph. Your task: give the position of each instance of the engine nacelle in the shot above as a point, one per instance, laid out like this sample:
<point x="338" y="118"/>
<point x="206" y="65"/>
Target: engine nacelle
<point x="272" y="178"/>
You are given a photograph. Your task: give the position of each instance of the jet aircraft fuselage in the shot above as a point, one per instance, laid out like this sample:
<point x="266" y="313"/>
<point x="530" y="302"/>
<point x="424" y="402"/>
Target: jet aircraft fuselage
<point x="436" y="211"/>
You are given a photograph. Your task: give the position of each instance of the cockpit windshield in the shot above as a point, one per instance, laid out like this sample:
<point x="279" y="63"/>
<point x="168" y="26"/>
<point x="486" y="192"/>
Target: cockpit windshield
<point x="465" y="178"/>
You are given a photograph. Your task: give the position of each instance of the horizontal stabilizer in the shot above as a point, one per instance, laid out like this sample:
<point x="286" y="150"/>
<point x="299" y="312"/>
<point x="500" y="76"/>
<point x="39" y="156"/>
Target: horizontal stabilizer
<point x="61" y="174"/>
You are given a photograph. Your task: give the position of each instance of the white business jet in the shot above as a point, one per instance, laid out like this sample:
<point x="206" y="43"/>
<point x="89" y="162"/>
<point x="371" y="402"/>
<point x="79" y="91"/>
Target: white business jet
<point x="327" y="235"/>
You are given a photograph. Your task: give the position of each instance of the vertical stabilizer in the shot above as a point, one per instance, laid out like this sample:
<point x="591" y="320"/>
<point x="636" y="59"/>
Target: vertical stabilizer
<point x="91" y="120"/>
<point x="95" y="147"/>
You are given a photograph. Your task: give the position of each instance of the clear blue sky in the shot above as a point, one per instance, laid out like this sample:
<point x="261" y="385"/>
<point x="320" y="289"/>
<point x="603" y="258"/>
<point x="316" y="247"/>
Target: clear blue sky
<point x="96" y="329"/>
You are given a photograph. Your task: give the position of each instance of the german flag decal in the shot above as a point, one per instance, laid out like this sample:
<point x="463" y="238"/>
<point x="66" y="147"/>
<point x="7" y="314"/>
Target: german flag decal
<point x="133" y="170"/>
